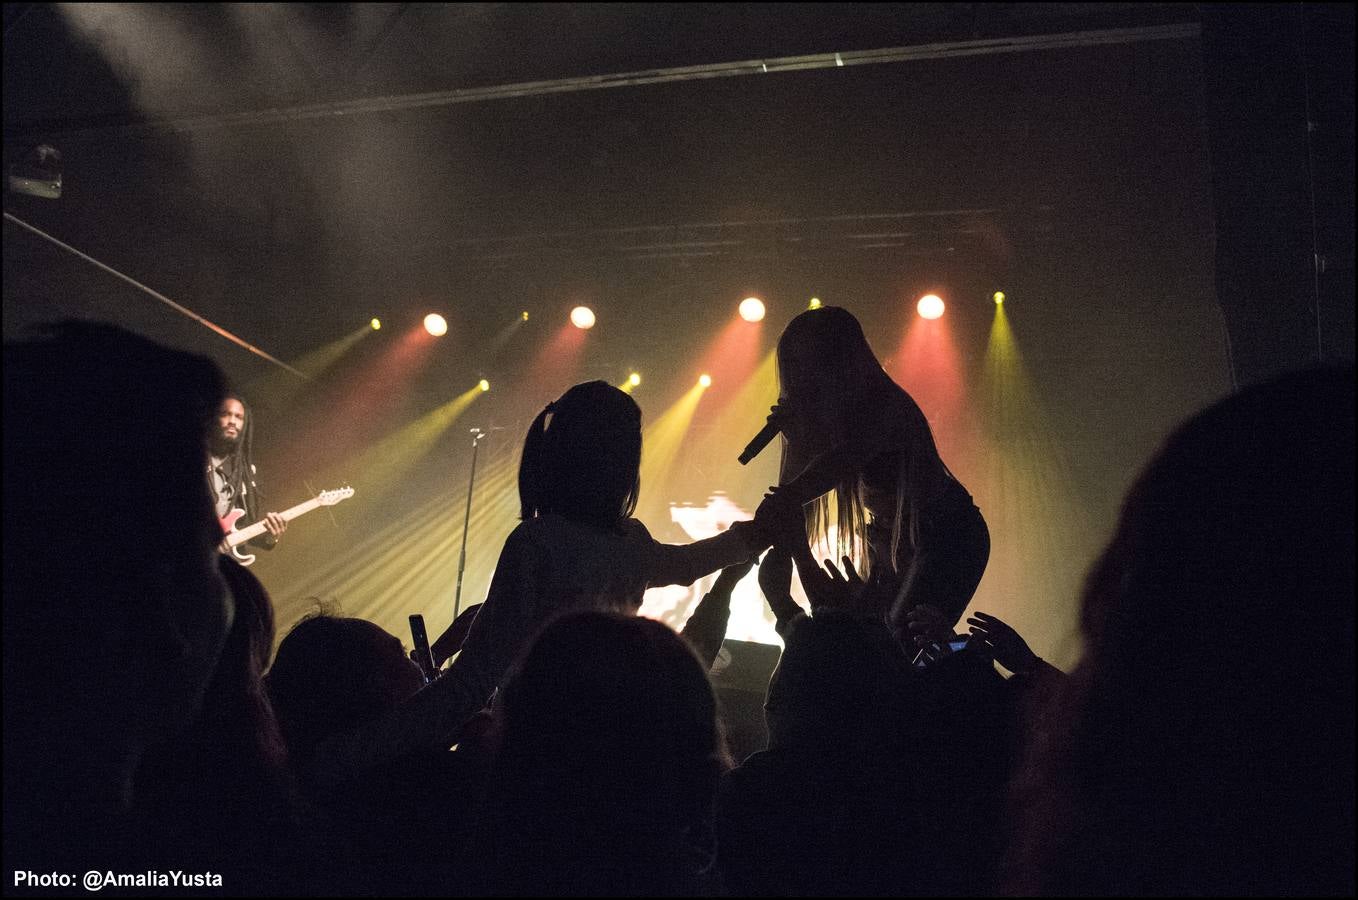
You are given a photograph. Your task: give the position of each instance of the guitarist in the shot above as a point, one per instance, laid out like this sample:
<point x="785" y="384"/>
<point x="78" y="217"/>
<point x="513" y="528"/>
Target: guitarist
<point x="231" y="473"/>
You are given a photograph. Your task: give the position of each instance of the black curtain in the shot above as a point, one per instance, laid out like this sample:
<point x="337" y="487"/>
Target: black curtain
<point x="1279" y="91"/>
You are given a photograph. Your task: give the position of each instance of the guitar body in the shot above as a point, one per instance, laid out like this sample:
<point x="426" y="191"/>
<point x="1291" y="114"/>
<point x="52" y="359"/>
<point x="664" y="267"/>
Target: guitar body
<point x="228" y="522"/>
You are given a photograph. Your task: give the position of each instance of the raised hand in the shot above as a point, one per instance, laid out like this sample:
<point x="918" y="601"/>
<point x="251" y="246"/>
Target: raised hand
<point x="775" y="580"/>
<point x="780" y="416"/>
<point x="730" y="576"/>
<point x="451" y="640"/>
<point x="780" y="517"/>
<point x="1003" y="644"/>
<point x="841" y="589"/>
<point x="775" y="574"/>
<point x="756" y="536"/>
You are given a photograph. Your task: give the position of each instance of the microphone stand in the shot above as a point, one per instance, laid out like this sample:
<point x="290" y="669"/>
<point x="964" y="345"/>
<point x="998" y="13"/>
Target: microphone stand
<point x="477" y="434"/>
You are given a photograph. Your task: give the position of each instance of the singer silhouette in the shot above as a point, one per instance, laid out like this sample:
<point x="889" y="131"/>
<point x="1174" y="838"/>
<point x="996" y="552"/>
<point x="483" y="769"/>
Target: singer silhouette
<point x="912" y="527"/>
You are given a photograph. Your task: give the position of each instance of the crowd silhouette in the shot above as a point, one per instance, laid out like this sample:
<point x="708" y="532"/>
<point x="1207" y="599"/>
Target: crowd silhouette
<point x="1203" y="745"/>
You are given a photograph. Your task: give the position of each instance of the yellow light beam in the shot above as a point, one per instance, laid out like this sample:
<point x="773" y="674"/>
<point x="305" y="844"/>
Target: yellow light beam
<point x="1040" y="535"/>
<point x="503" y="336"/>
<point x="377" y="468"/>
<point x="317" y="570"/>
<point x="662" y="439"/>
<point x="409" y="565"/>
<point x="277" y="387"/>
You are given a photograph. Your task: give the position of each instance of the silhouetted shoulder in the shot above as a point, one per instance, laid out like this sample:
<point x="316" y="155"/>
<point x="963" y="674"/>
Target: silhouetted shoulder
<point x="552" y="528"/>
<point x="633" y="529"/>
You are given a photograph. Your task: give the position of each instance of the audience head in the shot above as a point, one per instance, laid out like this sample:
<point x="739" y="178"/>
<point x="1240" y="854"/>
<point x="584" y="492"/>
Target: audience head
<point x="837" y="674"/>
<point x="619" y="700"/>
<point x="332" y="674"/>
<point x="1240" y="525"/>
<point x="230" y="766"/>
<point x="607" y="768"/>
<point x="1214" y="705"/>
<point x="237" y="713"/>
<point x="250" y="641"/>
<point x="115" y="608"/>
<point x="582" y="457"/>
<point x="236" y="729"/>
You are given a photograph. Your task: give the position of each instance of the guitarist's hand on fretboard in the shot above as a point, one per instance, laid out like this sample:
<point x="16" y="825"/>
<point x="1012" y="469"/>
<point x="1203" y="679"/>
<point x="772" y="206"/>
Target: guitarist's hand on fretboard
<point x="275" y="524"/>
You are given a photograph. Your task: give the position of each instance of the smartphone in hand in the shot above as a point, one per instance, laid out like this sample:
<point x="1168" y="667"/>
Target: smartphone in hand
<point x="935" y="651"/>
<point x="424" y="656"/>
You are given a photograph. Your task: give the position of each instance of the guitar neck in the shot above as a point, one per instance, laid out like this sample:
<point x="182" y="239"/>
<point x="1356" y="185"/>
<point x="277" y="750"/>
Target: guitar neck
<point x="251" y="532"/>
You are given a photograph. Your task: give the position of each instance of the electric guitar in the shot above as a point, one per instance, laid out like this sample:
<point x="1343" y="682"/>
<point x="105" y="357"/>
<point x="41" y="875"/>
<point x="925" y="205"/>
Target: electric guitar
<point x="231" y="543"/>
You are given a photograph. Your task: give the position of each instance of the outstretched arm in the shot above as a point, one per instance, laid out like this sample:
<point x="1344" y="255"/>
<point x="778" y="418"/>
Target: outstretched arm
<point x="775" y="580"/>
<point x="454" y="635"/>
<point x="433" y="718"/>
<point x="706" y="626"/>
<point x="686" y="563"/>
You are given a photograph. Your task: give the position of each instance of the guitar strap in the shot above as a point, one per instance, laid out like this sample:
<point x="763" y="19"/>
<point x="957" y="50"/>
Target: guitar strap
<point x="220" y="482"/>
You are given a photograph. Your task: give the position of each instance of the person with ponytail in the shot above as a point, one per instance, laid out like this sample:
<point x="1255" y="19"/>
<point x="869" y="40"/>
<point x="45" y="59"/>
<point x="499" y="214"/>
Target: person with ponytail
<point x="577" y="549"/>
<point x="851" y="432"/>
<point x="578" y="546"/>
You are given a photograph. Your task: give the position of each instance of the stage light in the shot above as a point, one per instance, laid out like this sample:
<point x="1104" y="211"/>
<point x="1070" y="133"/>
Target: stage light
<point x="930" y="306"/>
<point x="814" y="304"/>
<point x="376" y="323"/>
<point x="582" y="317"/>
<point x="999" y="296"/>
<point x="752" y="309"/>
<point x="704" y="380"/>
<point x="435" y="324"/>
<point x="483" y="384"/>
<point x="634" y="379"/>
<point x="524" y="315"/>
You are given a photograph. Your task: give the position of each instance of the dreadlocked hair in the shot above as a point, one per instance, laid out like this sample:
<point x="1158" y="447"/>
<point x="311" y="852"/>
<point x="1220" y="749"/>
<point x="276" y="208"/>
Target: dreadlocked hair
<point x="239" y="463"/>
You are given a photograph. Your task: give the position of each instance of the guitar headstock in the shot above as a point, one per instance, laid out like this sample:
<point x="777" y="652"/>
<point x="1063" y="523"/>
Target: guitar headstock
<point x="330" y="498"/>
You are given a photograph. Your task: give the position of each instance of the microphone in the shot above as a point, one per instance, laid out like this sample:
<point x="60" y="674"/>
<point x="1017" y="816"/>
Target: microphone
<point x="758" y="443"/>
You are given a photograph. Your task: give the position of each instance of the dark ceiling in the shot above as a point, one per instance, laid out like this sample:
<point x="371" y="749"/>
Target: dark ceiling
<point x="213" y="145"/>
<point x="58" y="64"/>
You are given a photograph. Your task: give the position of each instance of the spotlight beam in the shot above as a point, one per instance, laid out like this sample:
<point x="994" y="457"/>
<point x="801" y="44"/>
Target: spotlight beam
<point x="277" y="387"/>
<point x="379" y="466"/>
<point x="662" y="440"/>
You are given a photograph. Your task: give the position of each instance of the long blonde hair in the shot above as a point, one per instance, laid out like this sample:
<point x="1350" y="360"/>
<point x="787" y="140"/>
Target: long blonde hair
<point x="831" y="380"/>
